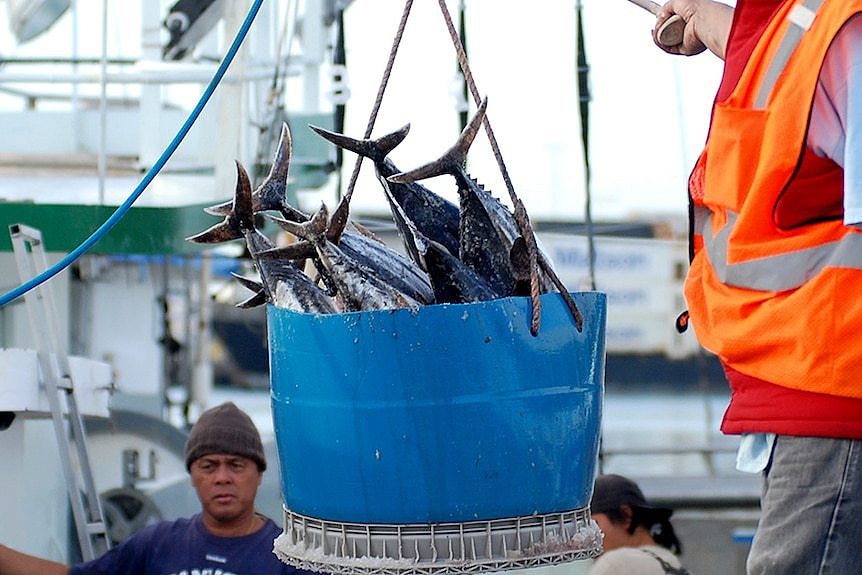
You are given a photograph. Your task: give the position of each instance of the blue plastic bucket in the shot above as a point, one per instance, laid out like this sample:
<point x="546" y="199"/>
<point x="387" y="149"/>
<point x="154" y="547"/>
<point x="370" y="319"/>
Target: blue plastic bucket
<point x="447" y="413"/>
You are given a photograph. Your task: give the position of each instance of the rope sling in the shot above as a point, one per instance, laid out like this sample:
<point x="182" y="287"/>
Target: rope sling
<point x="537" y="259"/>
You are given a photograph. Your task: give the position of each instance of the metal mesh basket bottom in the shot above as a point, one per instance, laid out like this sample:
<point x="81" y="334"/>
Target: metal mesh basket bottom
<point x="468" y="547"/>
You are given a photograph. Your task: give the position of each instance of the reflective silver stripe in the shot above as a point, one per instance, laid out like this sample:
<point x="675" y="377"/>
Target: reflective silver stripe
<point x="702" y="221"/>
<point x="779" y="272"/>
<point x="788" y="44"/>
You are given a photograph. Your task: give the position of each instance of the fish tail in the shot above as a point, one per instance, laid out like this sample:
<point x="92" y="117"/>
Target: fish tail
<point x="221" y="209"/>
<point x="452" y="162"/>
<point x="376" y="150"/>
<point x="242" y="204"/>
<point x="221" y="232"/>
<point x="281" y="159"/>
<point x="312" y="230"/>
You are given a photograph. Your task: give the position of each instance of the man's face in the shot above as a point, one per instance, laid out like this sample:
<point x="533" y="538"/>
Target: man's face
<point x="226" y="486"/>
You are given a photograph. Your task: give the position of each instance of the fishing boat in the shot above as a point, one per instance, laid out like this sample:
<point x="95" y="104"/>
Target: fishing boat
<point x="86" y="127"/>
<point x="148" y="319"/>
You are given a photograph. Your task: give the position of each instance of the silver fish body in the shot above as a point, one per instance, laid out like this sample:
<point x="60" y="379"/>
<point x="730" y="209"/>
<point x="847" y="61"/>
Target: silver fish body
<point x="358" y="287"/>
<point x="452" y="280"/>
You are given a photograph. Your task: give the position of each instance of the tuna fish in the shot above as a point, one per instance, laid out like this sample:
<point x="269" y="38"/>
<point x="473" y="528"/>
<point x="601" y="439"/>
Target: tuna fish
<point x="490" y="241"/>
<point x="283" y="283"/>
<point x="389" y="265"/>
<point x="434" y="216"/>
<point x="494" y="256"/>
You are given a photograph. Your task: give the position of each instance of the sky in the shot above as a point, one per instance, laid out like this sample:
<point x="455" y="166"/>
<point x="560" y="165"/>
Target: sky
<point x="649" y="111"/>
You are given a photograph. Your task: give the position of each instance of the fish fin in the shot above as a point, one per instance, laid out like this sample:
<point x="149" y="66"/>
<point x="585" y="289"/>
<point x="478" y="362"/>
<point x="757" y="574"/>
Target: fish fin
<point x="271" y="193"/>
<point x="340" y="217"/>
<point x="385" y="144"/>
<point x="248" y="283"/>
<point x="256" y="300"/>
<point x="312" y="230"/>
<point x="239" y="216"/>
<point x="292" y="214"/>
<point x="319" y="222"/>
<point x="295" y="228"/>
<point x="363" y="148"/>
<point x="264" y="198"/>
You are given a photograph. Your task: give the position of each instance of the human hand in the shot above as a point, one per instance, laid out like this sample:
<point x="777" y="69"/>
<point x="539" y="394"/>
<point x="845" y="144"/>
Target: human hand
<point x="690" y="43"/>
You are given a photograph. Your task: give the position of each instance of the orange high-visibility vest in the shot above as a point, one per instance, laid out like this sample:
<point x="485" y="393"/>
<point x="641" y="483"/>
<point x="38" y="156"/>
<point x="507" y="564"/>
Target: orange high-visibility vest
<point x="775" y="285"/>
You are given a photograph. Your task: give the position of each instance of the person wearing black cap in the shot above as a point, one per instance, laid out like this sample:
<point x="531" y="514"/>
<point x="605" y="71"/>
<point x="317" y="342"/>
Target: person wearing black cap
<point x="225" y="458"/>
<point x="638" y="538"/>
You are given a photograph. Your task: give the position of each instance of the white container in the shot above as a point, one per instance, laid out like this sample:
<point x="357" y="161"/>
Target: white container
<point x="22" y="388"/>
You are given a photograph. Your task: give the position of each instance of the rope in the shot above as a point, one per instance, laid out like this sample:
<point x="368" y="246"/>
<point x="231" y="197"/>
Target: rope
<point x="148" y="177"/>
<point x="339" y="217"/>
<point x="521" y="217"/>
<point x="583" y="69"/>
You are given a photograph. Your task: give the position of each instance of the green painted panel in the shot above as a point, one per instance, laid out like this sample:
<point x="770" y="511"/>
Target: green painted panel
<point x="144" y="230"/>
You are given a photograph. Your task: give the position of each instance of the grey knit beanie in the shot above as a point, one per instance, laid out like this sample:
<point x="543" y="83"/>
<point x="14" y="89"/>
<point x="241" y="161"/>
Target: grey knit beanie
<point x="224" y="429"/>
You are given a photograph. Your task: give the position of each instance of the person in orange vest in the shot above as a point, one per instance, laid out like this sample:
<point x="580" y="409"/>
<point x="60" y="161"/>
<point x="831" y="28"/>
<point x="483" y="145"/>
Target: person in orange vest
<point x="775" y="283"/>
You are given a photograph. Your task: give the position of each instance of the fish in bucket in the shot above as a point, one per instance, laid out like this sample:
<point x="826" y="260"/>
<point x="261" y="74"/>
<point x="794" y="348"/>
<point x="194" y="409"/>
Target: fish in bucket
<point x="435" y="412"/>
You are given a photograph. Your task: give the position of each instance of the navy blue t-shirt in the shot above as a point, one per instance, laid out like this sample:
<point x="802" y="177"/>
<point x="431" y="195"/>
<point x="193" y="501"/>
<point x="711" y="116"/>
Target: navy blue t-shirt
<point x="185" y="547"/>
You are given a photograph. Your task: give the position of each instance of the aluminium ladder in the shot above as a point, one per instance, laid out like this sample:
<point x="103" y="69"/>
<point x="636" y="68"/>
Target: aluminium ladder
<point x="59" y="387"/>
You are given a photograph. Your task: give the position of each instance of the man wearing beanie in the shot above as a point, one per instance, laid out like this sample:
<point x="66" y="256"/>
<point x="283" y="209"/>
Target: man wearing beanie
<point x="225" y="459"/>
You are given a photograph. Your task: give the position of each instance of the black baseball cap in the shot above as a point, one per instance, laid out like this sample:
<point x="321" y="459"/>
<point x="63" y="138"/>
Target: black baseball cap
<point x="610" y="492"/>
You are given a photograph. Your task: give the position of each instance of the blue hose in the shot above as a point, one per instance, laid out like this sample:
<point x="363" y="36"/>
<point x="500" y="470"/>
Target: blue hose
<point x="148" y="177"/>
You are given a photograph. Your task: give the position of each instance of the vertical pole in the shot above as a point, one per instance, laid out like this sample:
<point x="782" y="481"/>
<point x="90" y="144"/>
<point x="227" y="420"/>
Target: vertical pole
<point x="232" y="109"/>
<point x="103" y="105"/>
<point x="76" y="107"/>
<point x="464" y="110"/>
<point x="150" y="144"/>
<point x="584" y="107"/>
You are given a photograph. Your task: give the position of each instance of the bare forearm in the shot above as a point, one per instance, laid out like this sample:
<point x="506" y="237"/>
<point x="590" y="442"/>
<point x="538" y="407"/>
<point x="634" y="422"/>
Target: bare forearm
<point x="16" y="563"/>
<point x="707" y="25"/>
